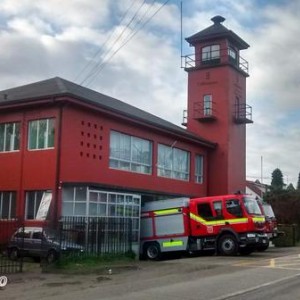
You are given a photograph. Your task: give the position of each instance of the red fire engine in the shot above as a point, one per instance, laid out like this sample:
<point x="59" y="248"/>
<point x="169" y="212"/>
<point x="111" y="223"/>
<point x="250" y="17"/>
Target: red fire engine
<point x="227" y="224"/>
<point x="271" y="224"/>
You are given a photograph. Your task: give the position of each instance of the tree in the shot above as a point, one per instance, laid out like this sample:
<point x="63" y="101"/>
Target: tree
<point x="298" y="184"/>
<point x="277" y="180"/>
<point x="290" y="187"/>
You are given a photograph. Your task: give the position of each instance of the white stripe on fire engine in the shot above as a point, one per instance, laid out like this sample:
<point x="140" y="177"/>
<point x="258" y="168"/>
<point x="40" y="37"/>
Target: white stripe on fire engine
<point x="218" y="222"/>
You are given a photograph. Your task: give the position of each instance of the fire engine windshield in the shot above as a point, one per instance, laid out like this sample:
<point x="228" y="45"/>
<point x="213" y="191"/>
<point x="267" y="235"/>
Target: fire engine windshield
<point x="252" y="206"/>
<point x="268" y="210"/>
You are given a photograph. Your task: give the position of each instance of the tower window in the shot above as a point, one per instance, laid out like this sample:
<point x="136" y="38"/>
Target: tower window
<point x="232" y="54"/>
<point x="211" y="53"/>
<point x="207" y="105"/>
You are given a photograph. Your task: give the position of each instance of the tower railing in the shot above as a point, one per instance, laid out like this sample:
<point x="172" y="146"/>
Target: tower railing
<point x="222" y="56"/>
<point x="243" y="113"/>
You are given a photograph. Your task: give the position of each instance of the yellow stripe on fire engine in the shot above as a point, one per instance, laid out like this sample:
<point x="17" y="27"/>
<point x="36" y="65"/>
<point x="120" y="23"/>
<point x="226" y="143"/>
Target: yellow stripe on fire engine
<point x="258" y="219"/>
<point x="218" y="222"/>
<point x="172" y="244"/>
<point x="167" y="211"/>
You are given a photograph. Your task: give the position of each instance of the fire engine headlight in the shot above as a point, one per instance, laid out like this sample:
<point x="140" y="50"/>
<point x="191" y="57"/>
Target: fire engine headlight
<point x="251" y="235"/>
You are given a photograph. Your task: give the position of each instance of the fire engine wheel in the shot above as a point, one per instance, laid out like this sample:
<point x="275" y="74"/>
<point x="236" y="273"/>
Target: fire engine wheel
<point x="152" y="251"/>
<point x="227" y="245"/>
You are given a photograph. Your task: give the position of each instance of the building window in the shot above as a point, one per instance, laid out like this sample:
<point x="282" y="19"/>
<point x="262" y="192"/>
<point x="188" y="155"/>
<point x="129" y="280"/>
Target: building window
<point x="211" y="53"/>
<point x="232" y="55"/>
<point x="173" y="163"/>
<point x="199" y="168"/>
<point x="37" y="205"/>
<point x="41" y="134"/>
<point x="9" y="137"/>
<point x="83" y="202"/>
<point x="207" y="105"/>
<point x="130" y="153"/>
<point x="75" y="201"/>
<point x="7" y="205"/>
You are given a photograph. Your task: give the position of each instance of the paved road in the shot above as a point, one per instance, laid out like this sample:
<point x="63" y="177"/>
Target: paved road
<point x="274" y="274"/>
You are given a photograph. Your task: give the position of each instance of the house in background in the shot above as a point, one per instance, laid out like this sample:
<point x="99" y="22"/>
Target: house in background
<point x="256" y="189"/>
<point x="66" y="150"/>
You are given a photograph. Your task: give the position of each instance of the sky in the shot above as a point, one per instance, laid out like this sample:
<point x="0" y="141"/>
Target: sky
<point x="131" y="50"/>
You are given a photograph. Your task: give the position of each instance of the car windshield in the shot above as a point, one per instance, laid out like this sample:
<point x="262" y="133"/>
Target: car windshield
<point x="252" y="206"/>
<point x="268" y="210"/>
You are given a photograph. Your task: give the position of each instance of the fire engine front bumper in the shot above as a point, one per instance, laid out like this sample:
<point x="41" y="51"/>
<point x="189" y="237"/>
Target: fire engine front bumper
<point x="253" y="240"/>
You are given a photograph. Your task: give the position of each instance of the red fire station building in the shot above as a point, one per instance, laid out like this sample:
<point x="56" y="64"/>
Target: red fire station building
<point x="66" y="150"/>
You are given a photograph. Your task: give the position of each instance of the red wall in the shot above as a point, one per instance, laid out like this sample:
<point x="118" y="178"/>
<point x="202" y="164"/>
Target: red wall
<point x="26" y="170"/>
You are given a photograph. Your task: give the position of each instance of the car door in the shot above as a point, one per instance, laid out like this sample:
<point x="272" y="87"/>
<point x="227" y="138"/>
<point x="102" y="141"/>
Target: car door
<point x="36" y="242"/>
<point x="25" y="244"/>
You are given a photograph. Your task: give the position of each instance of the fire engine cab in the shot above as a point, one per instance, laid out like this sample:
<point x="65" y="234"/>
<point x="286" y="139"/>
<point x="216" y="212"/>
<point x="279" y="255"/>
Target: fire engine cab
<point x="227" y="225"/>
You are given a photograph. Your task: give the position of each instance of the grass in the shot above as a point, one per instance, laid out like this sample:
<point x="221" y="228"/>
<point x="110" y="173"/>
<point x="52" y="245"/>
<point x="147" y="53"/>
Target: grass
<point x="92" y="264"/>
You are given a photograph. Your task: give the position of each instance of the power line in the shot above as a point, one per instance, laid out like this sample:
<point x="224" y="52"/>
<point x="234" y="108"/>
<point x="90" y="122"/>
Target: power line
<point x="105" y="42"/>
<point x="104" y="63"/>
<point x="93" y="70"/>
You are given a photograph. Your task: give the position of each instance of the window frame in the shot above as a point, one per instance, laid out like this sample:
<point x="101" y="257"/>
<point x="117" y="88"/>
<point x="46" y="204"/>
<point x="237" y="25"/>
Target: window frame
<point x="199" y="169"/>
<point x="12" y="205"/>
<point x="130" y="160"/>
<point x="37" y="199"/>
<point x="207" y="105"/>
<point x="11" y="142"/>
<point x="166" y="166"/>
<point x="209" y="54"/>
<point x="34" y="134"/>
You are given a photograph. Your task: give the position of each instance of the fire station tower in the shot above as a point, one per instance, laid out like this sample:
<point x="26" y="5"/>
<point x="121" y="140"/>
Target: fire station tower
<point x="217" y="108"/>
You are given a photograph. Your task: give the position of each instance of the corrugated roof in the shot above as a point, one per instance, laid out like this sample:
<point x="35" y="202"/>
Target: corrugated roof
<point x="217" y="31"/>
<point x="61" y="87"/>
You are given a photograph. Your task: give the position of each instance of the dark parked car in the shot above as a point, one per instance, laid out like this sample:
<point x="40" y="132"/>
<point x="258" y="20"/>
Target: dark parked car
<point x="39" y="243"/>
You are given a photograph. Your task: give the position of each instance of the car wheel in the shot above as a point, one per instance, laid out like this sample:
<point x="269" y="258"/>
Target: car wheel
<point x="51" y="257"/>
<point x="152" y="251"/>
<point x="227" y="245"/>
<point x="13" y="254"/>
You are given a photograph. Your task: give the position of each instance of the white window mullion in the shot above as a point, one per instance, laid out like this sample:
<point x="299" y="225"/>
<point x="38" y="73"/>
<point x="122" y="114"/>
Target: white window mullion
<point x="37" y="134"/>
<point x="12" y="138"/>
<point x="4" y="142"/>
<point x="46" y="135"/>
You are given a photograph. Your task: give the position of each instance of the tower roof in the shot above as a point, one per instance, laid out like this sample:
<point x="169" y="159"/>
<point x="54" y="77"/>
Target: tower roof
<point x="217" y="31"/>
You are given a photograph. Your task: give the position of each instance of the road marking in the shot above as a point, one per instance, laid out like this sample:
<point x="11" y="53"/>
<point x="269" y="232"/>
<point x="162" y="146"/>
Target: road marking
<point x="245" y="291"/>
<point x="288" y="263"/>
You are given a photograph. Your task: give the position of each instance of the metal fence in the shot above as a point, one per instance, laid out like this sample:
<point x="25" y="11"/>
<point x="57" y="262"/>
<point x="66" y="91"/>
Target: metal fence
<point x="95" y="235"/>
<point x="7" y="266"/>
<point x="70" y="237"/>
